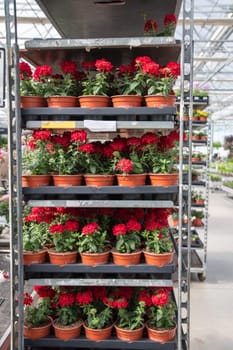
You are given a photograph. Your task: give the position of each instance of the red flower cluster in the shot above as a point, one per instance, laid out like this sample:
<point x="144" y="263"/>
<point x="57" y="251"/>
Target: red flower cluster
<point x="103" y="65"/>
<point x="66" y="299"/>
<point x="69" y="67"/>
<point x="90" y="228"/>
<point x="24" y="71"/>
<point x="168" y="19"/>
<point x="84" y="298"/>
<point x="41" y="72"/>
<point x="119" y="229"/>
<point x="150" y="26"/>
<point x="69" y="225"/>
<point x="160" y="298"/>
<point x="124" y="165"/>
<point x="27" y="299"/>
<point x="45" y="291"/>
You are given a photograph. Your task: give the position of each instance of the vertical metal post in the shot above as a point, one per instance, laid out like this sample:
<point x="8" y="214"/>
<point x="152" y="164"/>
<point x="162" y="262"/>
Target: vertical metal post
<point x="187" y="79"/>
<point x="15" y="197"/>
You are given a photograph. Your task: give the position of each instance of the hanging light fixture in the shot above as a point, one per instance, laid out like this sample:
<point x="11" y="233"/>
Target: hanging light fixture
<point x="110" y="2"/>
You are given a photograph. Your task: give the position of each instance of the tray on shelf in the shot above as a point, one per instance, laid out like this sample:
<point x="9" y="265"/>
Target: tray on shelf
<point x="112" y="343"/>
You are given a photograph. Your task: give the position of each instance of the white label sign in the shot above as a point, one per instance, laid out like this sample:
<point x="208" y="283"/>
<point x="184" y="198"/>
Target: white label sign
<point x="2" y="76"/>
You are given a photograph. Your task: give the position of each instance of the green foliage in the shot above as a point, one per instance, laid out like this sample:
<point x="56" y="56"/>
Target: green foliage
<point x="217" y="144"/>
<point x="64" y="86"/>
<point x="37" y="315"/>
<point x="67" y="162"/>
<point x="98" y="316"/>
<point x="97" y="163"/>
<point x="228" y="184"/>
<point x="3" y="141"/>
<point x="128" y="243"/>
<point x="67" y="315"/>
<point x="98" y="84"/>
<point x="4" y="210"/>
<point x="162" y="316"/>
<point x="157" y="241"/>
<point x="131" y="319"/>
<point x="36" y="161"/>
<point x="93" y="243"/>
<point x="197" y="214"/>
<point x="35" y="235"/>
<point x="214" y="177"/>
<point x="127" y="84"/>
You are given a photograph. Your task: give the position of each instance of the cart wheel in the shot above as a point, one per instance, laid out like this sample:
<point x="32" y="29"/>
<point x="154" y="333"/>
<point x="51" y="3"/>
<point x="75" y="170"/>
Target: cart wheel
<point x="201" y="277"/>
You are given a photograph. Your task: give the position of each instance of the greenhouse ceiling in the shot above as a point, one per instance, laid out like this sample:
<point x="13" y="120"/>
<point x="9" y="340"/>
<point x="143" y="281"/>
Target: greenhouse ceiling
<point x="213" y="45"/>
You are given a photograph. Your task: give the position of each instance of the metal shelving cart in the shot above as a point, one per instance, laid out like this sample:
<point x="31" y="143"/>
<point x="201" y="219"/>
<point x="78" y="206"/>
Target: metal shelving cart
<point x="119" y="48"/>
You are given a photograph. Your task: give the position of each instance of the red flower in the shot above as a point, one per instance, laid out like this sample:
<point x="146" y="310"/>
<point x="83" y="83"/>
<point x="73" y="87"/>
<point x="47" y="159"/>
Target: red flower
<point x="118" y="144"/>
<point x="25" y="70"/>
<point x="133" y="225"/>
<point x="119" y="229"/>
<point x="99" y="292"/>
<point x="149" y="138"/>
<point x="45" y="291"/>
<point x="160" y="298"/>
<point x="69" y="67"/>
<point x="128" y="69"/>
<point x="142" y="60"/>
<point x="27" y="299"/>
<point x="56" y="228"/>
<point x="5" y="275"/>
<point x="71" y="225"/>
<point x="90" y="228"/>
<point x="150" y="26"/>
<point x="42" y="71"/>
<point x="124" y="165"/>
<point x="151" y="68"/>
<point x="169" y="19"/>
<point x="160" y="236"/>
<point x="44" y="135"/>
<point x="103" y="65"/>
<point x="121" y="303"/>
<point x="86" y="148"/>
<point x="152" y="225"/>
<point x="126" y="292"/>
<point x="174" y="68"/>
<point x="145" y="297"/>
<point x="85" y="297"/>
<point x="78" y="136"/>
<point x="133" y="141"/>
<point x="66" y="299"/>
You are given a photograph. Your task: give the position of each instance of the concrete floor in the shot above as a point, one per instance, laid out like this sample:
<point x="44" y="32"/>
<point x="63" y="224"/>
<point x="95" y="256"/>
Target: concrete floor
<point x="212" y="300"/>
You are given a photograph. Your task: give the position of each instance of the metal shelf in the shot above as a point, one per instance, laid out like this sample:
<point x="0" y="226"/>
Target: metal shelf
<point x="101" y="203"/>
<point x="101" y="282"/>
<point x="196" y="263"/>
<point x="112" y="343"/>
<point x="103" y="268"/>
<point x="115" y="49"/>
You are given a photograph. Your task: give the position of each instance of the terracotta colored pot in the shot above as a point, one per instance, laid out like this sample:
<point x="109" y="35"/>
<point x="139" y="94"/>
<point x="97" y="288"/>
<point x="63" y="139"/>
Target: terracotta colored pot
<point x="175" y="222"/>
<point x="62" y="258"/>
<point x="186" y="137"/>
<point x="34" y="257"/>
<point x="202" y="119"/>
<point x="195" y="159"/>
<point x="161" y="335"/>
<point x="158" y="259"/>
<point x="98" y="334"/>
<point x="97" y="101"/>
<point x="62" y="101"/>
<point x="67" y="332"/>
<point x="37" y="332"/>
<point x="197" y="222"/>
<point x="35" y="180"/>
<point x="160" y="101"/>
<point x="99" y="180"/>
<point x="131" y="180"/>
<point x="203" y="138"/>
<point x="126" y="259"/>
<point x="67" y="180"/>
<point x="164" y="180"/>
<point x="200" y="201"/>
<point x="128" y="334"/>
<point x="195" y="138"/>
<point x="127" y="101"/>
<point x="32" y="101"/>
<point x="94" y="259"/>
<point x="195" y="118"/>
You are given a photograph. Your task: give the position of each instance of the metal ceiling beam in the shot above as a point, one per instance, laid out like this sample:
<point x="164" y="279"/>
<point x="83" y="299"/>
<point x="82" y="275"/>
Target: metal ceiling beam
<point x="209" y="21"/>
<point x="211" y="59"/>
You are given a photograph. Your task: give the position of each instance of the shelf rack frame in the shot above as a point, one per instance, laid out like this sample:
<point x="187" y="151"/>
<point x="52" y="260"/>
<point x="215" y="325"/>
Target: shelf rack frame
<point x="15" y="189"/>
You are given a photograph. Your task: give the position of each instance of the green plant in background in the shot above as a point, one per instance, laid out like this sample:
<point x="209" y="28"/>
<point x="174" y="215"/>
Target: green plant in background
<point x="3" y="141"/>
<point x="214" y="177"/>
<point x="228" y="184"/>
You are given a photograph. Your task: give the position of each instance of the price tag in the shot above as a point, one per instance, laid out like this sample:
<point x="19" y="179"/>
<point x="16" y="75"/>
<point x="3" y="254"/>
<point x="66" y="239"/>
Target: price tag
<point x="2" y="76"/>
<point x="58" y="125"/>
<point x="100" y="125"/>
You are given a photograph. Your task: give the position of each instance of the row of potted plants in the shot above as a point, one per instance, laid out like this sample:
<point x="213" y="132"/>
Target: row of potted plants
<point x="142" y="77"/>
<point x="101" y="311"/>
<point x="196" y="136"/>
<point x="65" y="232"/>
<point x="70" y="153"/>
